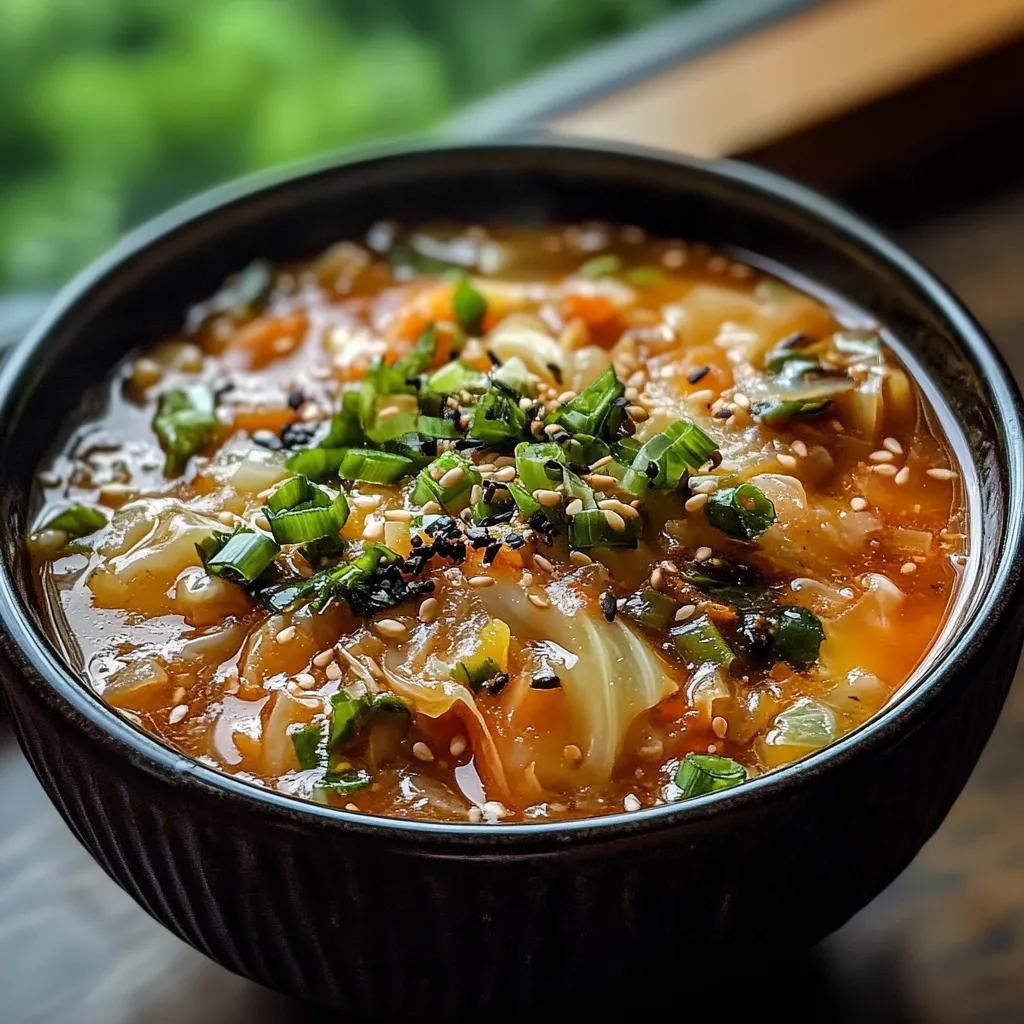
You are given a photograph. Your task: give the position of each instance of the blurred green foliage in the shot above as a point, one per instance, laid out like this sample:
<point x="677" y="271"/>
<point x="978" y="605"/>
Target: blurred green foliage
<point x="112" y="109"/>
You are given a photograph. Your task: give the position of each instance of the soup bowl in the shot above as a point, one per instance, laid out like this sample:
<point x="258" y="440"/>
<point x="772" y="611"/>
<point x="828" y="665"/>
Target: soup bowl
<point x="385" y="917"/>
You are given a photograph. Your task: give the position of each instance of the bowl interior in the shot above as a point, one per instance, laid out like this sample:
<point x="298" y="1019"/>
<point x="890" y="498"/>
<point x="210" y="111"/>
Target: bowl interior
<point x="140" y="291"/>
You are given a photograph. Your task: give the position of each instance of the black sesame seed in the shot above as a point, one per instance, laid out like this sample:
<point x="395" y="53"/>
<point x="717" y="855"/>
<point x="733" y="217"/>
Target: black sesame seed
<point x="495" y="361"/>
<point x="696" y="376"/>
<point x="498" y="518"/>
<point x="608" y="605"/>
<point x="621" y="402"/>
<point x="295" y="399"/>
<point x="492" y="552"/>
<point x="545" y="681"/>
<point x="267" y="439"/>
<point x="724" y="413"/>
<point x="561" y="437"/>
<point x="514" y="541"/>
<point x="465" y="444"/>
<point x="651" y="470"/>
<point x="716" y="458"/>
<point x="497" y="684"/>
<point x="556" y="372"/>
<point x="489" y="491"/>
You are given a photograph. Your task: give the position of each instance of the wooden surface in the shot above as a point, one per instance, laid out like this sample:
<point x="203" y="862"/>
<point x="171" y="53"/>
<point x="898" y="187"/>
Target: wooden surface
<point x="802" y="71"/>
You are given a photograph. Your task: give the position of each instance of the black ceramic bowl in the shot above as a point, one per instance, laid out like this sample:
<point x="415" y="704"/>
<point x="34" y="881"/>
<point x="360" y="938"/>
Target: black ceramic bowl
<point x="388" y="917"/>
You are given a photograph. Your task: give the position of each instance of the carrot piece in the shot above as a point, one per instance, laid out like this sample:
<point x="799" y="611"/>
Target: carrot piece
<point x="274" y="420"/>
<point x="594" y="310"/>
<point x="268" y="338"/>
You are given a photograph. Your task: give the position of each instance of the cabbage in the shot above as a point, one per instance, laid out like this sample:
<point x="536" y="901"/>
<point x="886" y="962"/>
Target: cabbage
<point x="525" y="337"/>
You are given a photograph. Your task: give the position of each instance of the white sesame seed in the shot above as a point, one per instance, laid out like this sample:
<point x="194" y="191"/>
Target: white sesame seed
<point x="285" y="635"/>
<point x="227" y="518"/>
<point x="429" y="609"/>
<point x="631" y="803"/>
<point x="697" y="502"/>
<point x="481" y="581"/>
<point x="701" y="397"/>
<point x="881" y="456"/>
<point x="614" y="520"/>
<point x="431" y="508"/>
<point x="305" y="681"/>
<point x="566" y="396"/>
<point x="333" y="671"/>
<point x="476" y="493"/>
<point x="540" y="600"/>
<point x="549" y="499"/>
<point x="800" y="448"/>
<point x="719" y="726"/>
<point x="687" y="611"/>
<point x="786" y="460"/>
<point x="486" y="467"/>
<point x="351" y="806"/>
<point x="858" y="504"/>
<point x="367" y="501"/>
<point x="398" y="515"/>
<point x="601" y="481"/>
<point x="604" y="461"/>
<point x="637" y="413"/>
<point x="574" y="508"/>
<point x="938" y="473"/>
<point x="177" y="713"/>
<point x="580" y="558"/>
<point x="261" y="522"/>
<point x="884" y="469"/>
<point x="741" y="401"/>
<point x="457" y="747"/>
<point x="505" y="475"/>
<point x="656" y="579"/>
<point x="540" y="562"/>
<point x="453" y="477"/>
<point x="705" y="487"/>
<point x="908" y="568"/>
<point x="525" y="403"/>
<point x="703" y="554"/>
<point x="553" y="428"/>
<point x="422" y="752"/>
<point x="893" y="445"/>
<point x="373" y="528"/>
<point x="392" y="628"/>
<point x="178" y="695"/>
<point x="324" y="658"/>
<point x="903" y="475"/>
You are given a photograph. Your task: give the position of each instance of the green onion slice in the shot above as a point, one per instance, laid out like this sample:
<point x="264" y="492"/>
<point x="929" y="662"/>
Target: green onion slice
<point x="796" y="636"/>
<point x="497" y="419"/>
<point x="781" y="410"/>
<point x="349" y="715"/>
<point x="601" y="266"/>
<point x="700" y="643"/>
<point x="681" y="447"/>
<point x="591" y="529"/>
<point x="306" y="740"/>
<point x="743" y="513"/>
<point x="77" y="521"/>
<point x="345" y="783"/>
<point x="535" y="465"/>
<point x="299" y="512"/>
<point x="652" y="608"/>
<point x="593" y="411"/>
<point x="241" y="556"/>
<point x="185" y="422"/>
<point x="453" y="496"/>
<point x="470" y="307"/>
<point x="708" y="773"/>
<point x="457" y="376"/>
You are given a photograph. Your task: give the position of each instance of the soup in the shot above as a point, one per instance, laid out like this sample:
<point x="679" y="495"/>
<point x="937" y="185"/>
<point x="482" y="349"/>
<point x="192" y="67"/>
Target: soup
<point x="502" y="525"/>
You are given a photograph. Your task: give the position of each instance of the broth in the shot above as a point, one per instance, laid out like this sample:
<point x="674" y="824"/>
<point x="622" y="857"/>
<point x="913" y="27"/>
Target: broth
<point x="476" y="525"/>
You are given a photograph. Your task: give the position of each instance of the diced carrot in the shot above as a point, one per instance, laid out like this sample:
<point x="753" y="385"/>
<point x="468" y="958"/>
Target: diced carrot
<point x="268" y="338"/>
<point x="594" y="310"/>
<point x="251" y="420"/>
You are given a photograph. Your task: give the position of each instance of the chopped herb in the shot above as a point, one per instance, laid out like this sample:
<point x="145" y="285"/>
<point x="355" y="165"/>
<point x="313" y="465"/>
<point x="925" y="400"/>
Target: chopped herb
<point x="77" y="521"/>
<point x="780" y="410"/>
<point x="185" y="422"/>
<point x="454" y="495"/>
<point x="651" y="608"/>
<point x="708" y="773"/>
<point x="796" y="636"/>
<point x="299" y="511"/>
<point x="349" y="715"/>
<point x="497" y="419"/>
<point x="682" y="446"/>
<point x="700" y="643"/>
<point x="470" y="307"/>
<point x="306" y="740"/>
<point x="743" y="513"/>
<point x="601" y="266"/>
<point x="241" y="556"/>
<point x="645" y="277"/>
<point x="595" y="411"/>
<point x="346" y="782"/>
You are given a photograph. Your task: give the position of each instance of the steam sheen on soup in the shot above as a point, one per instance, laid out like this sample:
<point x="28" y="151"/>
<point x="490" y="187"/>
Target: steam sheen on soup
<point x="502" y="525"/>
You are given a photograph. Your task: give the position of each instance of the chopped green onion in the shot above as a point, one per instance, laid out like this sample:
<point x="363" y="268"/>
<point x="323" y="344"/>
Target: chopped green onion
<point x="77" y="521"/>
<point x="526" y="503"/>
<point x="743" y="513"/>
<point x="381" y="430"/>
<point x="453" y="496"/>
<point x="346" y="783"/>
<point x="601" y="266"/>
<point x="306" y="741"/>
<point x="591" y="529"/>
<point x="708" y="773"/>
<point x="185" y="422"/>
<point x="514" y="374"/>
<point x="805" y="723"/>
<point x="241" y="556"/>
<point x="418" y="448"/>
<point x="357" y="582"/>
<point x="371" y="466"/>
<point x="780" y="410"/>
<point x="435" y="427"/>
<point x="497" y="418"/>
<point x="420" y="356"/>
<point x="700" y="643"/>
<point x="470" y="307"/>
<point x="299" y="511"/>
<point x="644" y="277"/>
<point x="457" y="376"/>
<point x="681" y="447"/>
<point x="475" y="673"/>
<point x="350" y="714"/>
<point x="651" y="608"/>
<point x="324" y="551"/>
<point x="593" y="411"/>
<point x="796" y="636"/>
<point x="532" y="465"/>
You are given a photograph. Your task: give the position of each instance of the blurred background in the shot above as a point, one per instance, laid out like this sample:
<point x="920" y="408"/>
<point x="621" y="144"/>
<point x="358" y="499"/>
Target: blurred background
<point x="911" y="111"/>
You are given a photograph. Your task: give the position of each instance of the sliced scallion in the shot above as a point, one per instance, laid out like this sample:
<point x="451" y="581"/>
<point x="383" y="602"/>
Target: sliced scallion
<point x="241" y="556"/>
<point x="591" y="528"/>
<point x="539" y="466"/>
<point x="457" y="376"/>
<point x="796" y="636"/>
<point x="299" y="511"/>
<point x="497" y="419"/>
<point x="594" y="410"/>
<point x="743" y="513"/>
<point x="780" y="410"/>
<point x="651" y="608"/>
<point x="708" y="773"/>
<point x="700" y="643"/>
<point x="306" y="740"/>
<point x="77" y="521"/>
<point x="453" y="495"/>
<point x="601" y="266"/>
<point x="346" y="783"/>
<point x="470" y="307"/>
<point x="682" y="446"/>
<point x="185" y="422"/>
<point x="371" y="466"/>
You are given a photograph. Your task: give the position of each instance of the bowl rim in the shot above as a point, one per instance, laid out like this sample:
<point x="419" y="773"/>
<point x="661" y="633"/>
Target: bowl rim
<point x="86" y="710"/>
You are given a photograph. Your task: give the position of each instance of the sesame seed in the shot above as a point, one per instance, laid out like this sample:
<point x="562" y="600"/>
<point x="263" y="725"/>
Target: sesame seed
<point x="431" y="508"/>
<point x="601" y="482"/>
<point x="741" y="400"/>
<point x="800" y="448"/>
<point x="881" y="456"/>
<point x="858" y="504"/>
<point x="476" y="493"/>
<point x="179" y="694"/>
<point x="786" y="460"/>
<point x="719" y="726"/>
<point x="261" y="522"/>
<point x="908" y="568"/>
<point x="574" y="508"/>
<point x="373" y="529"/>
<point x="705" y="487"/>
<point x="540" y="562"/>
<point x="580" y="557"/>
<point x="178" y="712"/>
<point x="324" y="658"/>
<point x="614" y="520"/>
<point x="631" y="803"/>
<point x="505" y="475"/>
<point x="637" y="413"/>
<point x="938" y="473"/>
<point x="475" y="815"/>
<point x="572" y="754"/>
<point x="656" y="579"/>
<point x="351" y="806"/>
<point x="305" y="681"/>
<point x="429" y="610"/>
<point x="687" y="611"/>
<point x="525" y="403"/>
<point x="703" y="554"/>
<point x="457" y="747"/>
<point x="481" y="581"/>
<point x="892" y="445"/>
<point x="285" y="635"/>
<point x="566" y="396"/>
<point x="367" y="501"/>
<point x="422" y="752"/>
<point x="453" y="477"/>
<point x="652" y="750"/>
<point x="604" y="461"/>
<point x="697" y="502"/>
<point x="884" y="469"/>
<point x="227" y="518"/>
<point x="701" y="397"/>
<point x="536" y="428"/>
<point x="333" y="671"/>
<point x="388" y="411"/>
<point x="549" y="499"/>
<point x="553" y="428"/>
<point x="398" y="515"/>
<point x="392" y="628"/>
<point x="486" y="467"/>
<point x="540" y="600"/>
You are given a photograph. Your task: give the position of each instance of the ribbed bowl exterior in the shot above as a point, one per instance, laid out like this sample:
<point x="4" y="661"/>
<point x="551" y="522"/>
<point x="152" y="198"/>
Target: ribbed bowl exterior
<point x="390" y="919"/>
<point x="389" y="929"/>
